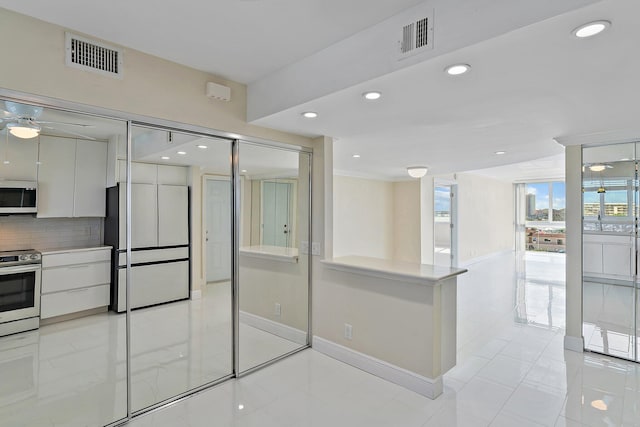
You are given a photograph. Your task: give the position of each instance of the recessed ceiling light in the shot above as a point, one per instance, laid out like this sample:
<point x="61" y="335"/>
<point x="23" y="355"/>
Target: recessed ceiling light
<point x="356" y="156"/>
<point x="165" y="157"/>
<point x="7" y="162"/>
<point x="243" y="171"/>
<point x="182" y="153"/>
<point x="202" y="146"/>
<point x="591" y="29"/>
<point x="310" y="114"/>
<point x="457" y="69"/>
<point x="600" y="405"/>
<point x="372" y="95"/>
<point x="499" y="153"/>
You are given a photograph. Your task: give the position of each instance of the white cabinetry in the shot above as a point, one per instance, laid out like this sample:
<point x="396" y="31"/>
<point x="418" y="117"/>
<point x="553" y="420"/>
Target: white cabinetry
<point x="18" y="159"/>
<point x="71" y="178"/>
<point x="173" y="215"/>
<point x="75" y="280"/>
<point x="608" y="256"/>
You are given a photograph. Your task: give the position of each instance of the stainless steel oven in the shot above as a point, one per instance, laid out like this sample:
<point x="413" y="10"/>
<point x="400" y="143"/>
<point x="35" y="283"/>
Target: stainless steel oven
<point x="20" y="275"/>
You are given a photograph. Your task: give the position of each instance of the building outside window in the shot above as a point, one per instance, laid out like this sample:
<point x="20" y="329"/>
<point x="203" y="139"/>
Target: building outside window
<point x="545" y="216"/>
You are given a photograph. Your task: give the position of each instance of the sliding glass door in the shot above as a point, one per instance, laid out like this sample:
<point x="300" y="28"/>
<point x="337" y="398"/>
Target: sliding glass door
<point x="610" y="248"/>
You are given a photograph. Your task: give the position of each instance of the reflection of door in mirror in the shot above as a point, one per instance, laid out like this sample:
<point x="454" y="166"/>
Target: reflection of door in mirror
<point x="217" y="235"/>
<point x="276" y="213"/>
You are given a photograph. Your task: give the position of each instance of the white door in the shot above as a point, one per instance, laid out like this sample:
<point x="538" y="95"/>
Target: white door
<point x="217" y="207"/>
<point x="276" y="213"/>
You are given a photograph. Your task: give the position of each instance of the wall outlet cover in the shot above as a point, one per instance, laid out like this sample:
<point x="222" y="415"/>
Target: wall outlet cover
<point x="315" y="248"/>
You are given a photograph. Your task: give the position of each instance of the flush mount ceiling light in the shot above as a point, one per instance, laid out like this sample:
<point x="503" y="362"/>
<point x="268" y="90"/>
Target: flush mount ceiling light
<point x="309" y="114"/>
<point x="591" y="29"/>
<point x="598" y="167"/>
<point x="23" y="129"/>
<point x="457" y="69"/>
<point x="417" y="171"/>
<point x="372" y="95"/>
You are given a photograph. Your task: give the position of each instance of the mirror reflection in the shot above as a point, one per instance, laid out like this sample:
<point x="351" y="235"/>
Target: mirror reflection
<point x="180" y="263"/>
<point x="62" y="353"/>
<point x="273" y="267"/>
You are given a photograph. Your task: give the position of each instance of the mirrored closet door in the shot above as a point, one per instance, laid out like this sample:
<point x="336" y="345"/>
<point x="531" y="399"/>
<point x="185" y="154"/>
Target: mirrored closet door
<point x="610" y="249"/>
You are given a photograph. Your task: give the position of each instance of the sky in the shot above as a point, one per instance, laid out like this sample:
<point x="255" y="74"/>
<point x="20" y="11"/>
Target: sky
<point x="442" y="199"/>
<point x="541" y="190"/>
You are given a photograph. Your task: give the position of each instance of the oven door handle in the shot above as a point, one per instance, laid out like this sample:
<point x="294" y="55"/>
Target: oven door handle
<point x="19" y="269"/>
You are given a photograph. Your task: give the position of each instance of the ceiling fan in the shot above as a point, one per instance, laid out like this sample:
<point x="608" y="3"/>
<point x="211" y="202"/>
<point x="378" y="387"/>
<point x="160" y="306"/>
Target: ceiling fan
<point x="21" y="120"/>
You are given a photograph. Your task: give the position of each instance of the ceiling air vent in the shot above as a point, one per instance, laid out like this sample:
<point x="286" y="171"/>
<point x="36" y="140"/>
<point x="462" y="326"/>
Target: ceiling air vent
<point x="90" y="55"/>
<point x="416" y="37"/>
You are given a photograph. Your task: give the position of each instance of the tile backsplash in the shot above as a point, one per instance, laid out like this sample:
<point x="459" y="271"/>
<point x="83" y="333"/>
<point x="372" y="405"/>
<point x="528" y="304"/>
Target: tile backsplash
<point x="27" y="232"/>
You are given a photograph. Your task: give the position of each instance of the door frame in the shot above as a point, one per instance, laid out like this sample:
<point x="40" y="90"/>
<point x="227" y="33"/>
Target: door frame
<point x="203" y="220"/>
<point x="453" y="216"/>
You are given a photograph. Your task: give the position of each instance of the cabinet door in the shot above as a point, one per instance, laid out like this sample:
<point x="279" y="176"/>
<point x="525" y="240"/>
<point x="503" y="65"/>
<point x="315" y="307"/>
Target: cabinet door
<point x="56" y="177"/>
<point x="592" y="257"/>
<point x="90" y="179"/>
<point x="18" y="159"/>
<point x="144" y="215"/>
<point x="173" y="215"/>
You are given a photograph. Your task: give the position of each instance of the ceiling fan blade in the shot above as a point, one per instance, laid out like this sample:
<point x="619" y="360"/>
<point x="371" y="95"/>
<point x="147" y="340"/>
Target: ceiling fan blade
<point x="65" y="123"/>
<point x="70" y="133"/>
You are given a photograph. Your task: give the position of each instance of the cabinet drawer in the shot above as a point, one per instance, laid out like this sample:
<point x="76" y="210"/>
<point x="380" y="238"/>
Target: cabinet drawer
<point x="154" y="284"/>
<point x="74" y="300"/>
<point x="75" y="276"/>
<point x="153" y="255"/>
<point x="72" y="258"/>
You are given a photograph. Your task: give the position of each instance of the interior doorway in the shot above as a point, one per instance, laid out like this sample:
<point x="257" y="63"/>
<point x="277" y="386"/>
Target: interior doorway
<point x="277" y="207"/>
<point x="445" y="228"/>
<point x="217" y="215"/>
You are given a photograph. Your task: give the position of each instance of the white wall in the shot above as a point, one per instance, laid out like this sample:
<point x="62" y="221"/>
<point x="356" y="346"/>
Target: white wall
<point x="486" y="210"/>
<point x="406" y="221"/>
<point x="362" y="217"/>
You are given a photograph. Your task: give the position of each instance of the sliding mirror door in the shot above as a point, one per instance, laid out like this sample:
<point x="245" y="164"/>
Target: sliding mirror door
<point x="180" y="282"/>
<point x="274" y="253"/>
<point x="610" y="199"/>
<point x="62" y="353"/>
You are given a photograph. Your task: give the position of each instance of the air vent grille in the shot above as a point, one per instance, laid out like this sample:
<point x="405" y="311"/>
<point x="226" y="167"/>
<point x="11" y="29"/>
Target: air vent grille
<point x="93" y="56"/>
<point x="407" y="38"/>
<point x="416" y="37"/>
<point x="422" y="33"/>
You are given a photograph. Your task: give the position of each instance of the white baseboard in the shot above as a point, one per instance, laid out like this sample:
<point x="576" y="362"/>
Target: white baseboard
<point x="428" y="387"/>
<point x="196" y="294"/>
<point x="574" y="343"/>
<point x="275" y="328"/>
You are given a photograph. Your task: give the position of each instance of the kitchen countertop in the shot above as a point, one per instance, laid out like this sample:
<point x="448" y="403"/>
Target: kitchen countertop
<point x="396" y="270"/>
<point x="50" y="251"/>
<point x="276" y="253"/>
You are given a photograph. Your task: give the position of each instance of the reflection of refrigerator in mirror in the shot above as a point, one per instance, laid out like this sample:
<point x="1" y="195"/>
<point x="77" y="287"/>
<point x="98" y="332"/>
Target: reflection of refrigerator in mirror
<point x="610" y="196"/>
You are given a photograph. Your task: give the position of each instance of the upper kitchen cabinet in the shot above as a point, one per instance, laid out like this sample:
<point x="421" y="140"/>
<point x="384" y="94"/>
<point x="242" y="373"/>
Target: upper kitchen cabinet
<point x="18" y="159"/>
<point x="71" y="178"/>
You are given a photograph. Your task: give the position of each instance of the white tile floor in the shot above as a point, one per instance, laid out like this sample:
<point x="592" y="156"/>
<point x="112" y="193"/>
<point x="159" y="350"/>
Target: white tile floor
<point x="512" y="371"/>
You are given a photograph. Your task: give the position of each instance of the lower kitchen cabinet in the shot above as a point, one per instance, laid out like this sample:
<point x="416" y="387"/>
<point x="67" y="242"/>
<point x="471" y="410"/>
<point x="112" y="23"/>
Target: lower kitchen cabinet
<point x="75" y="280"/>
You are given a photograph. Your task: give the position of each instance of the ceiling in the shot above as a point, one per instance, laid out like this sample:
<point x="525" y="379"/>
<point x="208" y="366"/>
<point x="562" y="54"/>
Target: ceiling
<point x="527" y="85"/>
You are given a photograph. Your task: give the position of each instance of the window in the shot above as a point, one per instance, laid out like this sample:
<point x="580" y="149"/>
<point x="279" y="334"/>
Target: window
<point x="545" y="197"/>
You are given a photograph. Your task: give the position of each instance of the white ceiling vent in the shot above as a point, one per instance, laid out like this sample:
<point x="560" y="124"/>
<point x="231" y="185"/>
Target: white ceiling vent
<point x="416" y="37"/>
<point x="90" y="55"/>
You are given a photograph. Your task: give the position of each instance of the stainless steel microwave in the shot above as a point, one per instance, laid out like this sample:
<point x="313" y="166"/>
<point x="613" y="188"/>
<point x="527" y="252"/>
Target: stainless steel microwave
<point x="18" y="197"/>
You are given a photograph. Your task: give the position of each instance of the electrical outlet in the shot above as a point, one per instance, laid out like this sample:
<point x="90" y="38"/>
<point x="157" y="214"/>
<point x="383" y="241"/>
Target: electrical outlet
<point x="277" y="309"/>
<point x="315" y="248"/>
<point x="304" y="248"/>
<point x="348" y="331"/>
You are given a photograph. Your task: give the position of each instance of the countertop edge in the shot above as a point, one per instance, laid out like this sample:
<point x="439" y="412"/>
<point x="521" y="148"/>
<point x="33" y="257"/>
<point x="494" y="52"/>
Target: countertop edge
<point x="388" y="274"/>
<point x="74" y="249"/>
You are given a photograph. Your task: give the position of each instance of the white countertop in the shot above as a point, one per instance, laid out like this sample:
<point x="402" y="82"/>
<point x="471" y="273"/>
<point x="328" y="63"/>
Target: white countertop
<point x="276" y="253"/>
<point x="395" y="270"/>
<point x="50" y="251"/>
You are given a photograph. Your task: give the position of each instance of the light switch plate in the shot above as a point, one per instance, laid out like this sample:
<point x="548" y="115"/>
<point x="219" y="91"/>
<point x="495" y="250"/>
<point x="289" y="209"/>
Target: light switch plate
<point x="315" y="248"/>
<point x="304" y="248"/>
